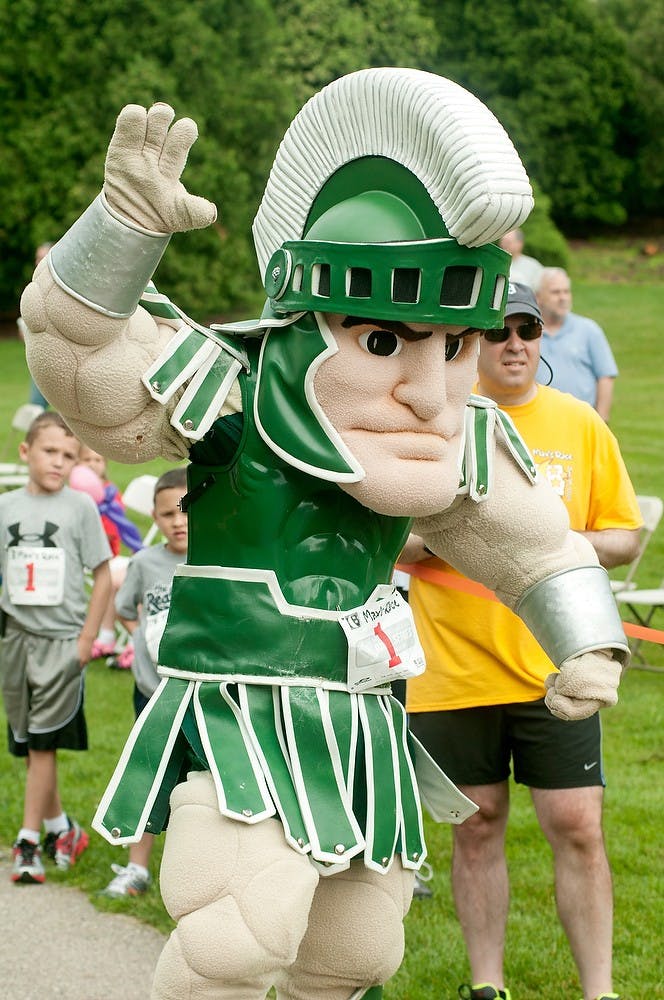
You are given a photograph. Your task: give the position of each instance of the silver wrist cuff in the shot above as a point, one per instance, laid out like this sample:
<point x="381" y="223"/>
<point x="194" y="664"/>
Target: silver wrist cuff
<point x="574" y="612"/>
<point x="105" y="261"/>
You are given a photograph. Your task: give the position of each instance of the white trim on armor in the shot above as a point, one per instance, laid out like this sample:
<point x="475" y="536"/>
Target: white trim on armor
<point x="419" y="799"/>
<point x="262" y="679"/>
<point x="371" y="795"/>
<point x="269" y="808"/>
<point x="258" y="326"/>
<point x="218" y="399"/>
<point x="398" y="826"/>
<point x="118" y="774"/>
<point x="332" y="434"/>
<point x="269" y="578"/>
<point x="402" y="738"/>
<point x="329" y="862"/>
<point x="267" y="773"/>
<point x="204" y="351"/>
<point x="323" y="697"/>
<point x="471" y="466"/>
<point x="503" y="419"/>
<point x="354" y="733"/>
<point x="444" y="801"/>
<point x="440" y="132"/>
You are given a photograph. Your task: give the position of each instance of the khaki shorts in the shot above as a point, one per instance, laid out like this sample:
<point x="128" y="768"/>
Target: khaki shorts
<point x="42" y="689"/>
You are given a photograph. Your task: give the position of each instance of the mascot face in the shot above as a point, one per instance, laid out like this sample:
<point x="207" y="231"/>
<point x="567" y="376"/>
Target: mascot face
<point x="396" y="395"/>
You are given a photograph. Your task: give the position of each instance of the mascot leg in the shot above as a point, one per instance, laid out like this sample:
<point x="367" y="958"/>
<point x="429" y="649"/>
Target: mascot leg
<point x="241" y="897"/>
<point x="355" y="937"/>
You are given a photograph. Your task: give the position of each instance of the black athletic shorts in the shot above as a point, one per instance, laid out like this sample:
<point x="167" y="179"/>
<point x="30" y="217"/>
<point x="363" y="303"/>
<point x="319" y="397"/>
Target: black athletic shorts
<point x="72" y="736"/>
<point x="476" y="746"/>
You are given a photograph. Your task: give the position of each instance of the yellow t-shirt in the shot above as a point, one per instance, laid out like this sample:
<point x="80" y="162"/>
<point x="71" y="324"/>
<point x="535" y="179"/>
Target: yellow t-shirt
<point x="477" y="651"/>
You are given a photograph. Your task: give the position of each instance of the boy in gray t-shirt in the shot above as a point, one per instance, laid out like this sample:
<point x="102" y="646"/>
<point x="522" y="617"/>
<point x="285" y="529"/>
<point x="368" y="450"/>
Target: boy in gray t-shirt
<point x="49" y="535"/>
<point x="142" y="604"/>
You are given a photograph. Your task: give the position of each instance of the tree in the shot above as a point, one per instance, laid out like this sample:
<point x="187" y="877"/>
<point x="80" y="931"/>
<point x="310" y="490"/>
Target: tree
<point x="557" y="75"/>
<point x="641" y="25"/>
<point x="324" y="39"/>
<point x="66" y="69"/>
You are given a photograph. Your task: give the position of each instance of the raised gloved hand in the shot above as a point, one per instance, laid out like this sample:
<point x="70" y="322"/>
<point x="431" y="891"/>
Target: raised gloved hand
<point x="145" y="159"/>
<point x="585" y="684"/>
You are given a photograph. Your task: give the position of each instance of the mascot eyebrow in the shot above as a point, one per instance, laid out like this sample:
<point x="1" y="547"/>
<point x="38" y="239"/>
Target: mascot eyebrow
<point x="398" y="328"/>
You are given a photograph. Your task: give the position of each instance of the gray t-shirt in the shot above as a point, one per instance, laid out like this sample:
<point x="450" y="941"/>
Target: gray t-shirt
<point x="147" y="584"/>
<point x="47" y="541"/>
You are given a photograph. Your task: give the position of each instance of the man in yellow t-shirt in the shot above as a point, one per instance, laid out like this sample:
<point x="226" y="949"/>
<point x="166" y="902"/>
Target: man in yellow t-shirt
<point x="479" y="705"/>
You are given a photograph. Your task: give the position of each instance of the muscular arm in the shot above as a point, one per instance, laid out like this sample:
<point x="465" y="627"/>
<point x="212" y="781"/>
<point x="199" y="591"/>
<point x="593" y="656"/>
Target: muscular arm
<point x="89" y="367"/>
<point x="514" y="539"/>
<point x="614" y="546"/>
<point x="604" y="397"/>
<point x="88" y="361"/>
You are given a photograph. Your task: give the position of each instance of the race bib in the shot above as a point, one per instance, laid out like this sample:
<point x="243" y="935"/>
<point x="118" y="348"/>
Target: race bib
<point x="154" y="629"/>
<point x="382" y="642"/>
<point x="35" y="575"/>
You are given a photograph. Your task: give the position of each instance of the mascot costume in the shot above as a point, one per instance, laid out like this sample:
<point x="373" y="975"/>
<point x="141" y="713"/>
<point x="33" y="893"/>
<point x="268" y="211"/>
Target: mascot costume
<point x="317" y="436"/>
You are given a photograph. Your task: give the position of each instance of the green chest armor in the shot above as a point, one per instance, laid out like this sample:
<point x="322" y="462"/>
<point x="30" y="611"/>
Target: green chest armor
<point x="274" y="556"/>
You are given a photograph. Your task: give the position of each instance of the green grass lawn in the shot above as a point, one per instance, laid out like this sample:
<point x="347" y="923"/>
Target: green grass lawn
<point x="538" y="962"/>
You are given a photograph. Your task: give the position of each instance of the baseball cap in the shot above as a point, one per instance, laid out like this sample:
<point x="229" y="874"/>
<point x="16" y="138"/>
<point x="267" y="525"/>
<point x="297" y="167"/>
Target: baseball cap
<point x="520" y="299"/>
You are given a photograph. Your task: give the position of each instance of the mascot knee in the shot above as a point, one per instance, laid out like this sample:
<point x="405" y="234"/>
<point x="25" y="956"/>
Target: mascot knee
<point x="356" y="926"/>
<point x="240" y="894"/>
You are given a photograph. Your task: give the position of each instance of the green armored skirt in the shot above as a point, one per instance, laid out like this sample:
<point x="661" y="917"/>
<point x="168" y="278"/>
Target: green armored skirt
<point x="335" y="768"/>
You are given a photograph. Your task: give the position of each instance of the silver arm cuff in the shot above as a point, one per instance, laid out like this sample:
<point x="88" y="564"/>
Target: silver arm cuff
<point x="574" y="612"/>
<point x="106" y="261"/>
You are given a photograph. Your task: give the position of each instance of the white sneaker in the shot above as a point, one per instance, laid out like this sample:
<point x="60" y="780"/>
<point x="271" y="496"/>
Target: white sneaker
<point x="27" y="866"/>
<point x="421" y="890"/>
<point x="128" y="881"/>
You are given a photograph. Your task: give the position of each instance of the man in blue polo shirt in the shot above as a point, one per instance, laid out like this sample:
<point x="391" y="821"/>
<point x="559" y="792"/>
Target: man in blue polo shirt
<point x="574" y="347"/>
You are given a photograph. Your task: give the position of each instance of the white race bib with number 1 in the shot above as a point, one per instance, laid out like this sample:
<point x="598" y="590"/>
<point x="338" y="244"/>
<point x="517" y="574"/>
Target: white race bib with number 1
<point x="35" y="575"/>
<point x="382" y="641"/>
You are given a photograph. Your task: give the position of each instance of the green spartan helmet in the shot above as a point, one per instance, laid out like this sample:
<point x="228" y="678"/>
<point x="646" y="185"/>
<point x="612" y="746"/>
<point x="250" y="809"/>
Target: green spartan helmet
<point x="373" y="240"/>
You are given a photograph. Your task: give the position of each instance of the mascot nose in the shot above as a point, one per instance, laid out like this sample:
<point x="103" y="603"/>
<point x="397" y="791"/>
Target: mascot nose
<point x="424" y="387"/>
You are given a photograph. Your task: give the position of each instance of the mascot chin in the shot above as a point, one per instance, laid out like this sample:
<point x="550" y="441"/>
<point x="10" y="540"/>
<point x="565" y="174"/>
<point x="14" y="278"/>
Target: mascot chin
<point x="317" y="436"/>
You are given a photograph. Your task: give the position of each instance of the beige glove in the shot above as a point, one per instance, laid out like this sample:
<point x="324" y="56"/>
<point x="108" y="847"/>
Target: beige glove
<point x="143" y="165"/>
<point x="585" y="684"/>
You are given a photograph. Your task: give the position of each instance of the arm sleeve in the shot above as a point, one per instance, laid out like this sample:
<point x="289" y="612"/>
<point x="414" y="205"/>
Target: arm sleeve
<point x="130" y="594"/>
<point x="603" y="361"/>
<point x="613" y="502"/>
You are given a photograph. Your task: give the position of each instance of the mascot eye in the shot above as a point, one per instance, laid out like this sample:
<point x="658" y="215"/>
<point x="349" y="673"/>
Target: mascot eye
<point x="381" y="342"/>
<point x="453" y="347"/>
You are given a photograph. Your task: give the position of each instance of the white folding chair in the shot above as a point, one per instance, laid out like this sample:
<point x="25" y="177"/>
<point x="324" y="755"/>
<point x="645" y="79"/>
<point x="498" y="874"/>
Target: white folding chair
<point x="651" y="511"/>
<point x="643" y="604"/>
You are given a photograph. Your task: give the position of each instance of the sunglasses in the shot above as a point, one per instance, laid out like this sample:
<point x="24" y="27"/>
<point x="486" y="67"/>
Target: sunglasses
<point x="527" y="331"/>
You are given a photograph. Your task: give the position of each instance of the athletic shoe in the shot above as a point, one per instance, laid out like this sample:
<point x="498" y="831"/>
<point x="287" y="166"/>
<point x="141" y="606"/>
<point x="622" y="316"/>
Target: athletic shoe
<point x="27" y="865"/>
<point x="127" y="882"/>
<point x="421" y="890"/>
<point x="49" y="845"/>
<point x="69" y="845"/>
<point x="608" y="996"/>
<point x="100" y="649"/>
<point x="483" y="991"/>
<point x="125" y="659"/>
